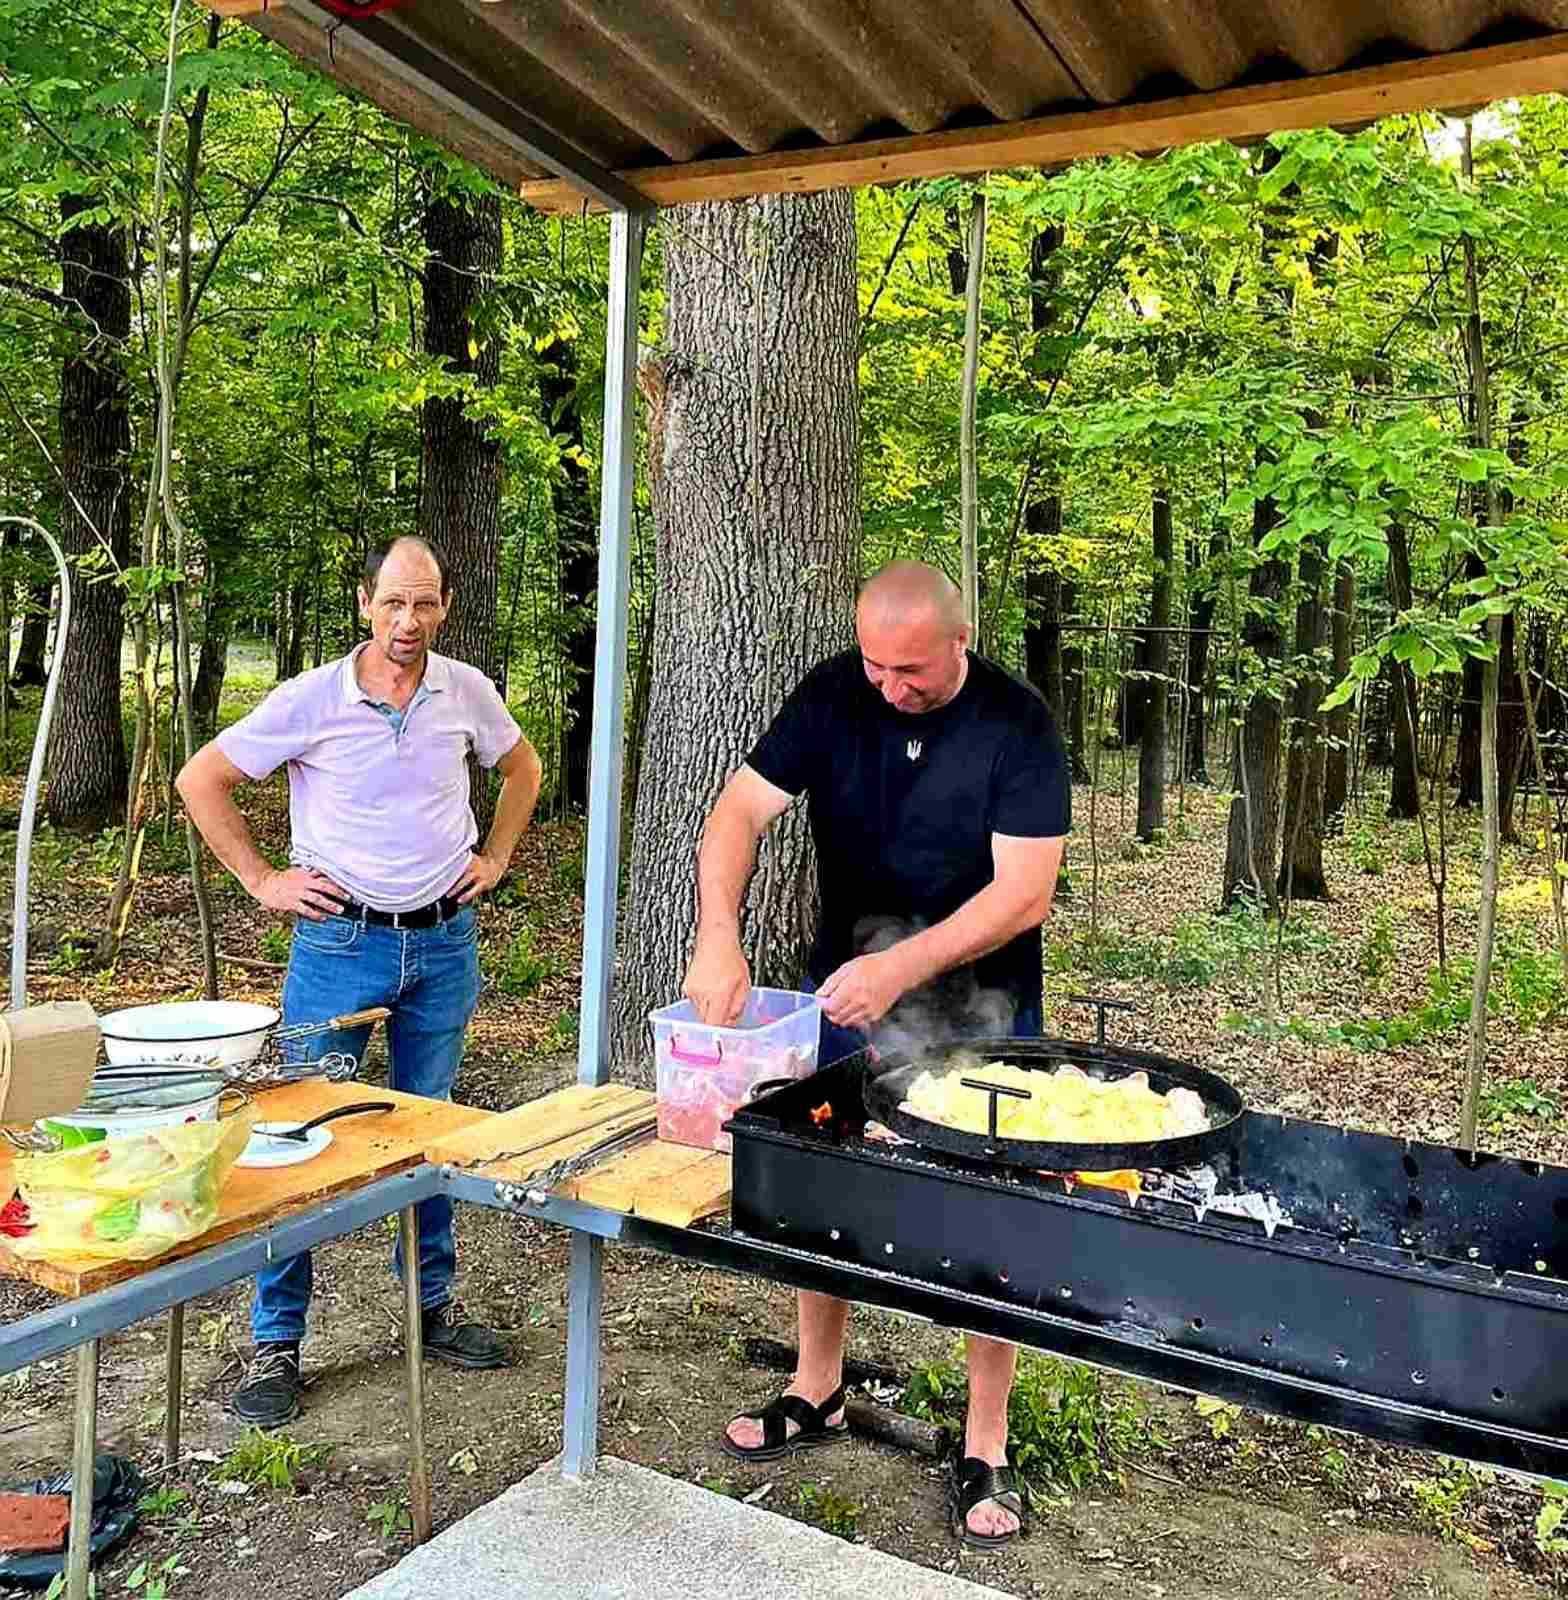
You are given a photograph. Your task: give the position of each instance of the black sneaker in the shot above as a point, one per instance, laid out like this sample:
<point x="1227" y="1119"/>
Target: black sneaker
<point x="451" y="1337"/>
<point x="268" y="1395"/>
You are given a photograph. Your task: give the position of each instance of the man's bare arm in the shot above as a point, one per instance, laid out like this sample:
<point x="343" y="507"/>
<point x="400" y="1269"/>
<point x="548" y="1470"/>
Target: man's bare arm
<point x="521" y="772"/>
<point x="206" y="784"/>
<point x="1017" y="898"/>
<point x="718" y="979"/>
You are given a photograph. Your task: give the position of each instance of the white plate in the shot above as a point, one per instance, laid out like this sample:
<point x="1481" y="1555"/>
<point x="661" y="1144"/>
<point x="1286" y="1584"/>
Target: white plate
<point x="265" y="1152"/>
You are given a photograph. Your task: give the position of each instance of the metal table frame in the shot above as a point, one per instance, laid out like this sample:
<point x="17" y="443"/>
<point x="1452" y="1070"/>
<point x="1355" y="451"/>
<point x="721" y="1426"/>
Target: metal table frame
<point x="80" y="1324"/>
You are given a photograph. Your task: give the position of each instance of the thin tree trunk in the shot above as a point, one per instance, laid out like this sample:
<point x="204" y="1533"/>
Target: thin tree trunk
<point x="1301" y="875"/>
<point x="1205" y="599"/>
<point x="969" y="510"/>
<point x="30" y="669"/>
<point x="577" y="538"/>
<point x="1043" y="621"/>
<point x="88" y="768"/>
<point x="460" y="476"/>
<point x="1486" y="928"/>
<point x="1152" y="747"/>
<point x="1336" y="761"/>
<point x="1404" y="795"/>
<point x="1074" y="687"/>
<point x="1252" y="847"/>
<point x="753" y="443"/>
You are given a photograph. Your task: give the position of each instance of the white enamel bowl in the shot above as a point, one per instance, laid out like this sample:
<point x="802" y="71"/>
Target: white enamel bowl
<point x="225" y="1033"/>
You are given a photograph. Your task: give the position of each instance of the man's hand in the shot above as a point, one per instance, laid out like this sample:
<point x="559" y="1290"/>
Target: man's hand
<point x="864" y="990"/>
<point x="480" y="876"/>
<point x="306" y="893"/>
<point x="718" y="980"/>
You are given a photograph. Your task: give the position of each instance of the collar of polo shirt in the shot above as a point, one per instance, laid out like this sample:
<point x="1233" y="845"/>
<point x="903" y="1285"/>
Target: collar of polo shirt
<point x="438" y="676"/>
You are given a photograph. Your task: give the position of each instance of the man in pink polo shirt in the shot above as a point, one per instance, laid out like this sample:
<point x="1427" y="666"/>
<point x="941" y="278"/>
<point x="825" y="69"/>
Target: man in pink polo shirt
<point x="383" y="879"/>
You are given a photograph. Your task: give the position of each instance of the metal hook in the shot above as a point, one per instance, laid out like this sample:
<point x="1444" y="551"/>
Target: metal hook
<point x="332" y="39"/>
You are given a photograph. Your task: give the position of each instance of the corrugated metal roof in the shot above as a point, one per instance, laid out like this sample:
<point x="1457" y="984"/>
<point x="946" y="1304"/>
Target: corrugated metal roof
<point x="637" y="84"/>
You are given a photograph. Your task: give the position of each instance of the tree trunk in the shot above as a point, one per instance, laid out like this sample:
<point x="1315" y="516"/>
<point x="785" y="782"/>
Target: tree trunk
<point x="1200" y="620"/>
<point x="969" y="472"/>
<point x="1047" y="597"/>
<point x="460" y="474"/>
<point x="88" y="767"/>
<point x="1336" y="760"/>
<point x="1132" y="697"/>
<point x="1252" y="848"/>
<point x="212" y="661"/>
<point x="577" y="541"/>
<point x="1152" y="747"/>
<point x="1043" y="611"/>
<point x="1301" y="872"/>
<point x="1510" y="728"/>
<point x="752" y="439"/>
<point x="30" y="670"/>
<point x="1073" y="687"/>
<point x="1404" y="795"/>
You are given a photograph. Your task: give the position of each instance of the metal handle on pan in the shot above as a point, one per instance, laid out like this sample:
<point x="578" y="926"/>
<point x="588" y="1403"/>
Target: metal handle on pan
<point x="995" y="1089"/>
<point x="1102" y="1004"/>
<point x="764" y="1086"/>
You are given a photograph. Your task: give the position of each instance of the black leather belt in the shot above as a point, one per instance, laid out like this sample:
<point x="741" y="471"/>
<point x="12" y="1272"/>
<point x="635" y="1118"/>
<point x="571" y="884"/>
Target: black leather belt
<point x="438" y="911"/>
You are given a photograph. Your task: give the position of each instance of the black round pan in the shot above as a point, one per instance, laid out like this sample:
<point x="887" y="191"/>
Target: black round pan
<point x="885" y="1085"/>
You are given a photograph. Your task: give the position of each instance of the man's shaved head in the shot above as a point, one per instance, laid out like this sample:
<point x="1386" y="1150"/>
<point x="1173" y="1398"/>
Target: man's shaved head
<point x="912" y="633"/>
<point x="910" y="592"/>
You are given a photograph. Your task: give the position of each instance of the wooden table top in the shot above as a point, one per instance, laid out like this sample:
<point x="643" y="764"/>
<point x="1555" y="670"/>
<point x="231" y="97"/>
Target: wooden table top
<point x="362" y="1149"/>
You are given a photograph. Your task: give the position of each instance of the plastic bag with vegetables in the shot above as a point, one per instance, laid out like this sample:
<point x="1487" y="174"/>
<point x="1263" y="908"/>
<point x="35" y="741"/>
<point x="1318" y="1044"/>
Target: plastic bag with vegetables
<point x="130" y="1198"/>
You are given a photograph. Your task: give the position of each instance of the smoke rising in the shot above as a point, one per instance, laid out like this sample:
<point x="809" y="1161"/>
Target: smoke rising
<point x="950" y="1008"/>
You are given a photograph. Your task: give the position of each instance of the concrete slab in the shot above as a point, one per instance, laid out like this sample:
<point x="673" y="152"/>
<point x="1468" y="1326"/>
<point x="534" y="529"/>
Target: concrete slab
<point x="632" y="1534"/>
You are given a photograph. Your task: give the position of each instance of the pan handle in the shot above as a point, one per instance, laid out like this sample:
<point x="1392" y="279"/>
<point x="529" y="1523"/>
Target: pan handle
<point x="764" y="1086"/>
<point x="1102" y="1003"/>
<point x="994" y="1090"/>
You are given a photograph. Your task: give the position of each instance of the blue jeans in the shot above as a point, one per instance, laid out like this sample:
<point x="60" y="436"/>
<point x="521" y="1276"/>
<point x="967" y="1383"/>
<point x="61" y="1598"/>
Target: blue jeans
<point x="837" y="1042"/>
<point x="430" y="979"/>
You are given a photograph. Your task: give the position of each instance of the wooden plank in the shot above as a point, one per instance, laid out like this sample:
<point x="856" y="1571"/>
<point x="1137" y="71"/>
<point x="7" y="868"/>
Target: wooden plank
<point x="243" y="8"/>
<point x="698" y="1192"/>
<point x="1456" y="79"/>
<point x="362" y="1149"/>
<point x="536" y="1125"/>
<point x="616" y="1184"/>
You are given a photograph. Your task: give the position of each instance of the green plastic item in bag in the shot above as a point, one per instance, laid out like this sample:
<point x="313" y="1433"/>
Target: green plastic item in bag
<point x="128" y="1198"/>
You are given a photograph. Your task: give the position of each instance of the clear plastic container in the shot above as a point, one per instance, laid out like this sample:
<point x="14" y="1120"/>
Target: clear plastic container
<point x="704" y="1073"/>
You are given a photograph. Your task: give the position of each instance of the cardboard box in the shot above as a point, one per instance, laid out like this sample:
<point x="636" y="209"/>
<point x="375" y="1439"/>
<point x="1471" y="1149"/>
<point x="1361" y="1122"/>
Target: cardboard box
<point x="48" y="1054"/>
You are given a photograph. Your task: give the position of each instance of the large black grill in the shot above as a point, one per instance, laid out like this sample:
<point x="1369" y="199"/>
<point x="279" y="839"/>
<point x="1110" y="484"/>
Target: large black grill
<point x="1416" y="1293"/>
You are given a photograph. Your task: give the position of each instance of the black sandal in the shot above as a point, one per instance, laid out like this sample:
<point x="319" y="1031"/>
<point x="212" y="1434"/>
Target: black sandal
<point x="974" y="1480"/>
<point x="810" y="1420"/>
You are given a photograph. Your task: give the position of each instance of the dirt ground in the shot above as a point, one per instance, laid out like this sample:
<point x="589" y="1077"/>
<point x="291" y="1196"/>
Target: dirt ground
<point x="1209" y="1504"/>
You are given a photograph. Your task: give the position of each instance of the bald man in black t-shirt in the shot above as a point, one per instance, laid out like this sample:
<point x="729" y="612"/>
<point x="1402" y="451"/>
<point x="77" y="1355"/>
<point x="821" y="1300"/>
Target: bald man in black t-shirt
<point x="939" y="801"/>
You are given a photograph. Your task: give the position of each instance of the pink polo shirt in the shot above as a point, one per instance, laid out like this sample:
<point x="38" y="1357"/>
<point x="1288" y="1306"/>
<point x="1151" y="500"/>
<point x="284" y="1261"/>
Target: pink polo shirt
<point x="382" y="810"/>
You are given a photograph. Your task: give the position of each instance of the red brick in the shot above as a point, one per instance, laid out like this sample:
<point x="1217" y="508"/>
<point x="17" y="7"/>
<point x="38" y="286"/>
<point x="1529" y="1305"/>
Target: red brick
<point x="33" y="1524"/>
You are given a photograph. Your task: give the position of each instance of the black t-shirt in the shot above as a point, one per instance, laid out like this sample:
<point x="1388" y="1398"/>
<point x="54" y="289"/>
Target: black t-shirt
<point x="903" y="805"/>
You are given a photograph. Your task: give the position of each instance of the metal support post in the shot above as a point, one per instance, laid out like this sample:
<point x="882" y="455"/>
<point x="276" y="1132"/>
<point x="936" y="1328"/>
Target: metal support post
<point x="414" y="1354"/>
<point x="607" y="749"/>
<point x="174" y="1385"/>
<point x="606" y="760"/>
<point x="580" y="1444"/>
<point x="78" y="1549"/>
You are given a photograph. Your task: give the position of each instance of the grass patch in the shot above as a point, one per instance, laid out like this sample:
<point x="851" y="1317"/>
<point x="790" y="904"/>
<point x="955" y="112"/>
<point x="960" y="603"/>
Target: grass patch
<point x="1067" y="1425"/>
<point x="270" y="1459"/>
